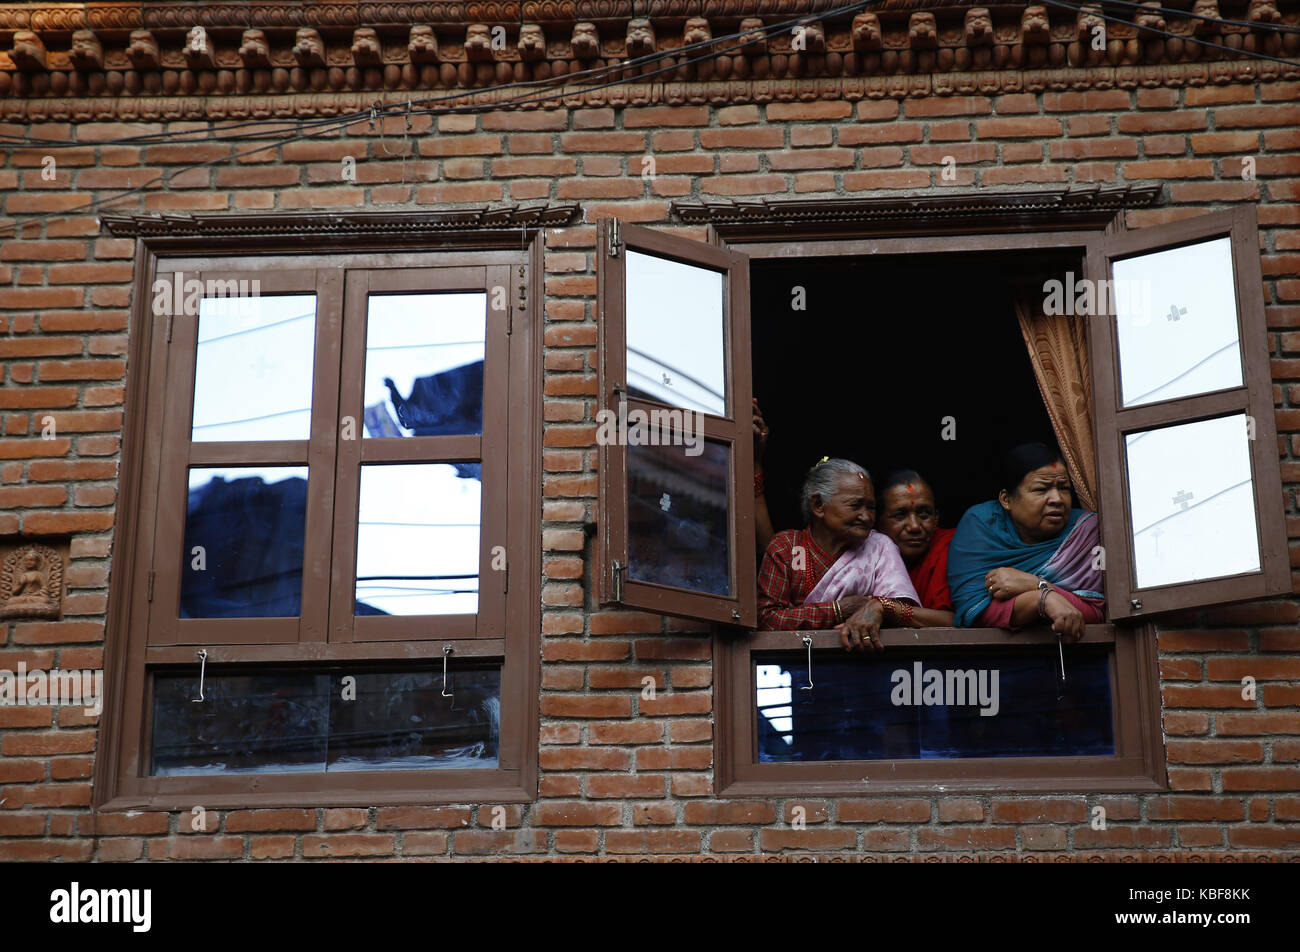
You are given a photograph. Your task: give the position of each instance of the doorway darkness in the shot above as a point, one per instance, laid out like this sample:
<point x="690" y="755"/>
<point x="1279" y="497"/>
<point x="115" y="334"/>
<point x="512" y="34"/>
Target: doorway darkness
<point x="887" y="348"/>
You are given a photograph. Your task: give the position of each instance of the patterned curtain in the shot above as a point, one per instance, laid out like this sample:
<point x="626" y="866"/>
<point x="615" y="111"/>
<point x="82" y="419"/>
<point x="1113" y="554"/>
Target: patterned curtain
<point x="1058" y="349"/>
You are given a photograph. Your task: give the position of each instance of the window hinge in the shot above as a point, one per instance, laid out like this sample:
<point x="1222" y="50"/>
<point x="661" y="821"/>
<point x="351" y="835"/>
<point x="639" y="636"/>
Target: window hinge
<point x="150" y="585"/>
<point x="616" y="570"/>
<point x="510" y="321"/>
<point x="169" y="328"/>
<point x="615" y="238"/>
<point x="507" y="571"/>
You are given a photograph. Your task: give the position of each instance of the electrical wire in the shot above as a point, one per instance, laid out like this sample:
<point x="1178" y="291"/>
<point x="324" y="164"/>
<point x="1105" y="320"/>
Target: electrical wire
<point x="380" y="110"/>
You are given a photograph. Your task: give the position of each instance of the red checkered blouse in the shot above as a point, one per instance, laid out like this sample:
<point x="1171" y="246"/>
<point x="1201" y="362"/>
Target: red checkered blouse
<point x="783" y="588"/>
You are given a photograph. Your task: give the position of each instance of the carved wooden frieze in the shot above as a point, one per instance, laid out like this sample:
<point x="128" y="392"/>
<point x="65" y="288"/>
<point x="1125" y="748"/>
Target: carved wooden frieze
<point x="318" y="53"/>
<point x="31" y="581"/>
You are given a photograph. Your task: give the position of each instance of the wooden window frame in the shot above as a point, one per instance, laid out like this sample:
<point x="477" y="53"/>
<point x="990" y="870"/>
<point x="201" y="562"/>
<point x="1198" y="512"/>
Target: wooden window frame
<point x="613" y="240"/>
<point x="1138" y="764"/>
<point x="502" y="244"/>
<point x="1254" y="398"/>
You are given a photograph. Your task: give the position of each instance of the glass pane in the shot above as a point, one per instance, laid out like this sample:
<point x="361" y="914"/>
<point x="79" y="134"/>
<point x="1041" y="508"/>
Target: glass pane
<point x="1177" y="322"/>
<point x="424" y="364"/>
<point x="297" y="722"/>
<point x="1192" y="502"/>
<point x="675" y="333"/>
<point x="403" y="721"/>
<point x="252" y="376"/>
<point x="418" y="539"/>
<point x="244" y="536"/>
<point x="895" y="708"/>
<point x="678" y="516"/>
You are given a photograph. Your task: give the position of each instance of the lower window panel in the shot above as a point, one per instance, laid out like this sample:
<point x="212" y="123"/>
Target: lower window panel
<point x="931" y="705"/>
<point x="325" y="721"/>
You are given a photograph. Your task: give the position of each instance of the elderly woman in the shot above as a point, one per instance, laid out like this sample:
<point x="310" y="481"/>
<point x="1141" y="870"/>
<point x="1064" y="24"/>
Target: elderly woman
<point x="1028" y="556"/>
<point x="836" y="572"/>
<point x="909" y="516"/>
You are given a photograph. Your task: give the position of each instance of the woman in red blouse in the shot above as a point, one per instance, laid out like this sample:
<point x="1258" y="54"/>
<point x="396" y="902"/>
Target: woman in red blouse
<point x="909" y="516"/>
<point x="837" y="552"/>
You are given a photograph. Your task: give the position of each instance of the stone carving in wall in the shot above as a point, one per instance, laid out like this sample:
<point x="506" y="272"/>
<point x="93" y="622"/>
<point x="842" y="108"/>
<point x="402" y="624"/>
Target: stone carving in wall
<point x="31" y="583"/>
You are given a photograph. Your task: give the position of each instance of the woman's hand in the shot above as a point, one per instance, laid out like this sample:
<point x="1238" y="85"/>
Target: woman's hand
<point x="859" y="632"/>
<point x="1003" y="583"/>
<point x="760" y="433"/>
<point x="1067" y="621"/>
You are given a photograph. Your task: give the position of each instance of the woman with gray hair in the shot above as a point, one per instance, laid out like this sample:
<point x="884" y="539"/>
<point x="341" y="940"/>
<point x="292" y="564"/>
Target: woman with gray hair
<point x="836" y="572"/>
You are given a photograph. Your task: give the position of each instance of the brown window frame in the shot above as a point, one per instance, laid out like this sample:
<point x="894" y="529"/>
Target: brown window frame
<point x="466" y="254"/>
<point x="614" y="238"/>
<point x="1064" y="221"/>
<point x="1138" y="763"/>
<point x="1254" y="398"/>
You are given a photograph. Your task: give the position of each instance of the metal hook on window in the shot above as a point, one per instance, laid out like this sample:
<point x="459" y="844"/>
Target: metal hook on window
<point x="1060" y="684"/>
<point x="807" y="640"/>
<point x="203" y="667"/>
<point x="446" y="652"/>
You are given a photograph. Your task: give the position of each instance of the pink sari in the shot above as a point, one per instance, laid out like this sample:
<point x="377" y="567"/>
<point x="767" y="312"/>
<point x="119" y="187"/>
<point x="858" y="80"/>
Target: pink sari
<point x="873" y="567"/>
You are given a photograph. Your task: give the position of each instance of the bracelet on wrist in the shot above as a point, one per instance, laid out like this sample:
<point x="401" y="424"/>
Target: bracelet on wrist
<point x="1042" y="602"/>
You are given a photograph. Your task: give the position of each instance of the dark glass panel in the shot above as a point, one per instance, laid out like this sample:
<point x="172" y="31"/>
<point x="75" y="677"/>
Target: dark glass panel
<point x="851" y="714"/>
<point x="330" y="721"/>
<point x="244" y="538"/>
<point x="678" y="516"/>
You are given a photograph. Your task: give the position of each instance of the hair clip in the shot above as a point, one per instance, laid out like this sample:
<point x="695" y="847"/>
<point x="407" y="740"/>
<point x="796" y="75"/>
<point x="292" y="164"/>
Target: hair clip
<point x="824" y="459"/>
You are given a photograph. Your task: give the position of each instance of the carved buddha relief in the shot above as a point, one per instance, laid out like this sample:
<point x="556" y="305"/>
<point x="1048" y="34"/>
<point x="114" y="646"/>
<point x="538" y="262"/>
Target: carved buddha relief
<point x="31" y="583"/>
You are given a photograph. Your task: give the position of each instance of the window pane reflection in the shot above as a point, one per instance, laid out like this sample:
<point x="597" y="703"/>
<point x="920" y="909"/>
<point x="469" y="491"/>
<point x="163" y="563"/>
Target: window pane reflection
<point x="424" y="364"/>
<point x="418" y="539"/>
<point x="1177" y="322"/>
<point x="675" y="333"/>
<point x="244" y="537"/>
<point x="297" y="722"/>
<point x="253" y="370"/>
<point x="678" y="516"/>
<point x="850" y="713"/>
<point x="1192" y="501"/>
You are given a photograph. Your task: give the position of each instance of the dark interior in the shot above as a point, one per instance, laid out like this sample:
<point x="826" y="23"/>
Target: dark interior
<point x="886" y="348"/>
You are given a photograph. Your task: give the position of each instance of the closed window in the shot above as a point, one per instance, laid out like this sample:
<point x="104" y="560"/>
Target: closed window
<point x="331" y="451"/>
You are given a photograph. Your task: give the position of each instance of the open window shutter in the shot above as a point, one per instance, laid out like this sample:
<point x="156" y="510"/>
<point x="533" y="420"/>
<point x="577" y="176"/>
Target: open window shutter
<point x="1191" y="498"/>
<point x="675" y="427"/>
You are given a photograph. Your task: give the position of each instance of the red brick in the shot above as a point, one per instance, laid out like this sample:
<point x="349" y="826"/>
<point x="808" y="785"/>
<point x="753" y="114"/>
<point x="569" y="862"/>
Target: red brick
<point x="347" y="844"/>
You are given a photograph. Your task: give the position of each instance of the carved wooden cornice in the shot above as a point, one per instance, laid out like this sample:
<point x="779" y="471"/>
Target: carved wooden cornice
<point x="131" y="108"/>
<point x="324" y="228"/>
<point x="98" y="55"/>
<point x="1084" y="207"/>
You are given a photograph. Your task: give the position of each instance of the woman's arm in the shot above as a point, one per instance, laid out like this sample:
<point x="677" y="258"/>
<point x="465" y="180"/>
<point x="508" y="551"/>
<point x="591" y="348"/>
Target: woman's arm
<point x="1064" y="615"/>
<point x="932" y="618"/>
<point x="763" y="530"/>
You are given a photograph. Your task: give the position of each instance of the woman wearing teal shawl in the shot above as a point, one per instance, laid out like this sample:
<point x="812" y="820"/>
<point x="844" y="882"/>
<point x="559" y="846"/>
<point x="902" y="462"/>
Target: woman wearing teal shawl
<point x="1027" y="556"/>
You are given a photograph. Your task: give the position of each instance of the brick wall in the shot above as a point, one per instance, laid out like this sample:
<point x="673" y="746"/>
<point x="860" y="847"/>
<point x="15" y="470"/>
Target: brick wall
<point x="623" y="776"/>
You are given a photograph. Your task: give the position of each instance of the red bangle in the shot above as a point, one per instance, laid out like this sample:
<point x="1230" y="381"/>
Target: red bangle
<point x="758" y="485"/>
